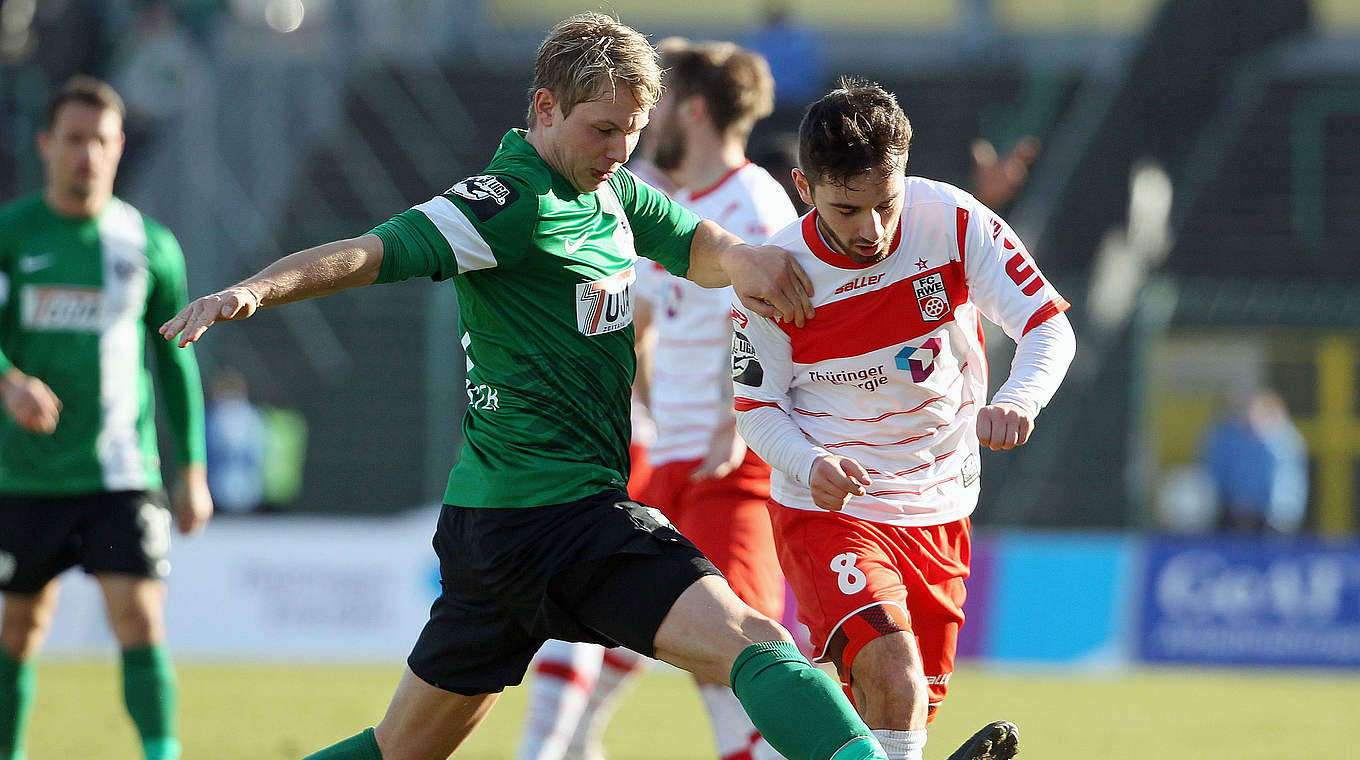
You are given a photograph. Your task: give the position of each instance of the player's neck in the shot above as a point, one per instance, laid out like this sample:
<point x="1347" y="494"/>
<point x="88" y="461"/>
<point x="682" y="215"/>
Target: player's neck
<point x="707" y="161"/>
<point x="75" y="206"/>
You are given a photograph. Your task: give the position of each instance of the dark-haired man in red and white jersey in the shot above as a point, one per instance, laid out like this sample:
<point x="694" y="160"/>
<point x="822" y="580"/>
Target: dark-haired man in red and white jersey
<point x="873" y="412"/>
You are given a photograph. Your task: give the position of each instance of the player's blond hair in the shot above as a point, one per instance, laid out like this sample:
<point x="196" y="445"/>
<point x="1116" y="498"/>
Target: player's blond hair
<point x="735" y="82"/>
<point x="588" y="56"/>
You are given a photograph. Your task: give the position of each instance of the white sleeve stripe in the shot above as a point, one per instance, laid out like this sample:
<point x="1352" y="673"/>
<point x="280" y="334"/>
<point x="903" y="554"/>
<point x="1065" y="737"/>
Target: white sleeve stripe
<point x="469" y="250"/>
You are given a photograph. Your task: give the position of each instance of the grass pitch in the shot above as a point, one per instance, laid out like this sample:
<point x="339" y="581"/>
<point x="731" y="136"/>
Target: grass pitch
<point x="269" y="712"/>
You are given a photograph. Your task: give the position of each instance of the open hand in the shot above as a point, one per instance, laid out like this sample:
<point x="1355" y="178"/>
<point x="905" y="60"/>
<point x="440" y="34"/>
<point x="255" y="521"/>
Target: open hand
<point x="237" y="302"/>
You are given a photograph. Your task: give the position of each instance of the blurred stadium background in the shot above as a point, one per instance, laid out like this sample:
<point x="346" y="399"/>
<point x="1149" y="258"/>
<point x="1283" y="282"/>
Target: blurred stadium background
<point x="1197" y="199"/>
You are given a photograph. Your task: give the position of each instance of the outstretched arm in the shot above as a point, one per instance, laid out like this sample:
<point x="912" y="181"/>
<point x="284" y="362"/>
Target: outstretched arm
<point x="314" y="272"/>
<point x="765" y="279"/>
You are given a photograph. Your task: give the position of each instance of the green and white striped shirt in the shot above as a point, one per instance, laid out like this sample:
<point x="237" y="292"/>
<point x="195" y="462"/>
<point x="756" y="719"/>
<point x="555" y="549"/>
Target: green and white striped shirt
<point x="78" y="298"/>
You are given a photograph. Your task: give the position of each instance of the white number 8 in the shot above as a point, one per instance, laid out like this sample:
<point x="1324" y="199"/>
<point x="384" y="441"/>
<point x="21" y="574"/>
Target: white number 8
<point x="850" y="578"/>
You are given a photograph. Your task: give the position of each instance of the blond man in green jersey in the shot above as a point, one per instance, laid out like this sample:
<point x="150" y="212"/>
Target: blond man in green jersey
<point x="537" y="538"/>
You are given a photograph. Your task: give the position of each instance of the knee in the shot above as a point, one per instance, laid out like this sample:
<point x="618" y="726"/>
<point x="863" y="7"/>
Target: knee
<point x="135" y="627"/>
<point x="757" y="629"/>
<point x="24" y="631"/>
<point x="891" y="685"/>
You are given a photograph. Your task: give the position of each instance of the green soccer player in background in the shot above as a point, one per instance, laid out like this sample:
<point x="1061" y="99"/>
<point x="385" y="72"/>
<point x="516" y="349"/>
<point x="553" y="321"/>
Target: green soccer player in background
<point x="82" y="276"/>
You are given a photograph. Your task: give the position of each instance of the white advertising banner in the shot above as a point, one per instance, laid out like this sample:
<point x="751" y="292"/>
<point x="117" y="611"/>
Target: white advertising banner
<point x="283" y="587"/>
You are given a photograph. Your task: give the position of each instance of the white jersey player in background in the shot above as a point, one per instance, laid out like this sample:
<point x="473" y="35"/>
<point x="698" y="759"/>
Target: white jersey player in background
<point x="873" y="412"/>
<point x="703" y="478"/>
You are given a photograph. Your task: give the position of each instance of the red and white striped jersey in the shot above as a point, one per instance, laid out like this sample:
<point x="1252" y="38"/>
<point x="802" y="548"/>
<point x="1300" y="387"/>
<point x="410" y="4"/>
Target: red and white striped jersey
<point x="692" y="362"/>
<point x="891" y="370"/>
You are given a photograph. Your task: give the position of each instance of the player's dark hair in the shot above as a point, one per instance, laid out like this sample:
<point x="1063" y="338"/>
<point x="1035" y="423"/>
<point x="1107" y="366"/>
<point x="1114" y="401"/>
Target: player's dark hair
<point x="87" y="90"/>
<point x="587" y="56"/>
<point x="855" y="129"/>
<point x="735" y="82"/>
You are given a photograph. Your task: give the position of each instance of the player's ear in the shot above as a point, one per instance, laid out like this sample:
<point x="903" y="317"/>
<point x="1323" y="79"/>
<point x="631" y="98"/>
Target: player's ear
<point x="694" y="109"/>
<point x="545" y="104"/>
<point x="800" y="183"/>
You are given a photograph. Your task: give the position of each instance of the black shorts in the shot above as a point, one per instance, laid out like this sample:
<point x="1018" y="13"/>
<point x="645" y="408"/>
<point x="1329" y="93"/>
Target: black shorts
<point x="108" y="532"/>
<point x="604" y="569"/>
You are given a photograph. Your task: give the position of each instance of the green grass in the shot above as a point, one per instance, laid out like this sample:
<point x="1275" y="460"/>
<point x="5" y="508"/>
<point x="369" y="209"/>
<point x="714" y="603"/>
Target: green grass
<point x="264" y="712"/>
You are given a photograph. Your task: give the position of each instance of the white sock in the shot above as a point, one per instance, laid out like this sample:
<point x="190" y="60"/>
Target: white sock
<point x="902" y="745"/>
<point x="618" y="671"/>
<point x="733" y="732"/>
<point x="564" y="675"/>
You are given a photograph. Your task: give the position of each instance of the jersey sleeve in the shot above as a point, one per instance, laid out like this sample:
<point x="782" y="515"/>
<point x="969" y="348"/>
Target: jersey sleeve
<point x="176" y="368"/>
<point x="662" y="228"/>
<point x="482" y="222"/>
<point x="762" y="374"/>
<point x="6" y="297"/>
<point x="1003" y="280"/>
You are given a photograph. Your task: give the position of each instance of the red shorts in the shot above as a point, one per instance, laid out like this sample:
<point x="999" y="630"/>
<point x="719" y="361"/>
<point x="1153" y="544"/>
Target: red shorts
<point x="856" y="580"/>
<point x="727" y="519"/>
<point x="640" y="472"/>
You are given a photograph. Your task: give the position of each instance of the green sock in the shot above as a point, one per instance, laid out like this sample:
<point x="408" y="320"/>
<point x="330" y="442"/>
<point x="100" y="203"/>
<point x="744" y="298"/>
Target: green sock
<point x="18" y="685"/>
<point x="151" y="696"/>
<point x="363" y="746"/>
<point x="799" y="710"/>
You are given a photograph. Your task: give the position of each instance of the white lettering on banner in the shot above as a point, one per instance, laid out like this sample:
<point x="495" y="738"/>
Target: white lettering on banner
<point x="1297" y="589"/>
<point x="606" y="305"/>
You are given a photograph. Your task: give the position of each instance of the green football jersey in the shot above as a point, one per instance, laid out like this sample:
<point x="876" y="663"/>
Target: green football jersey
<point x="544" y="276"/>
<point x="77" y="299"/>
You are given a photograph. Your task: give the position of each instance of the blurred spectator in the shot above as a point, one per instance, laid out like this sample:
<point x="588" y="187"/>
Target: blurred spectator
<point x="794" y="52"/>
<point x="285" y="453"/>
<point x="1257" y="461"/>
<point x="157" y="69"/>
<point x="996" y="179"/>
<point x="236" y="445"/>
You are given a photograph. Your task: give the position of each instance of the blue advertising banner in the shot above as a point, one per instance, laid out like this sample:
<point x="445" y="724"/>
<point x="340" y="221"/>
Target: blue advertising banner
<point x="1251" y="601"/>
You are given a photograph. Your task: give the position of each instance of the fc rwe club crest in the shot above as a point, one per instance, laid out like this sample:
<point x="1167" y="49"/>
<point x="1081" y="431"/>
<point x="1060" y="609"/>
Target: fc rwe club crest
<point x="931" y="297"/>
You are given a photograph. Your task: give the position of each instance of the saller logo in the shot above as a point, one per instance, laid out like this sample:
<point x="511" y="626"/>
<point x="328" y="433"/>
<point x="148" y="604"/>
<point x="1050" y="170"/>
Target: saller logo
<point x="606" y="305"/>
<point x="931" y="296"/>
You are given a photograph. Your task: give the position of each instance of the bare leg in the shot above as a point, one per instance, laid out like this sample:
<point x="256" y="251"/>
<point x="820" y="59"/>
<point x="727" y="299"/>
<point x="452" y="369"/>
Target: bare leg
<point x="424" y="722"/>
<point x="708" y="626"/>
<point x="136" y="608"/>
<point x="27" y="619"/>
<point x="889" y="683"/>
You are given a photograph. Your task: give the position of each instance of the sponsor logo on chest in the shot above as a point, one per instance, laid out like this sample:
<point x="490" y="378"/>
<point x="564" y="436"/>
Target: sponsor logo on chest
<point x="65" y="308"/>
<point x="859" y="282"/>
<point x="605" y="305"/>
<point x="867" y="378"/>
<point x="931" y="297"/>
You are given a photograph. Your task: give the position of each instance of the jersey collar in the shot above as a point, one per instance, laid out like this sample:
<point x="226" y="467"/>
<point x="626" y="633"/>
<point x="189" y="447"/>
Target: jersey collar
<point x="813" y="238"/>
